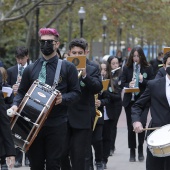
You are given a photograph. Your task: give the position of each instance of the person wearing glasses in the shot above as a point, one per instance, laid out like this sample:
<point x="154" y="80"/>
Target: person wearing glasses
<point x="136" y="73"/>
<point x="47" y="147"/>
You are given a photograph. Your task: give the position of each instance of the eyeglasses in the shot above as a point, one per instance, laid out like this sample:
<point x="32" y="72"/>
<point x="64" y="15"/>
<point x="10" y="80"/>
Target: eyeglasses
<point x="42" y="42"/>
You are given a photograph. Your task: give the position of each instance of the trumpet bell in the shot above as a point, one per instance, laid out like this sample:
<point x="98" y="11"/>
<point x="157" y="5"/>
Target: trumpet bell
<point x="98" y="115"/>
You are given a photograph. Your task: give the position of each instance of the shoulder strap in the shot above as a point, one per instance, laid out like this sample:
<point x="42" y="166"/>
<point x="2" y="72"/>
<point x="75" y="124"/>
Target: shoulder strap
<point x="57" y="73"/>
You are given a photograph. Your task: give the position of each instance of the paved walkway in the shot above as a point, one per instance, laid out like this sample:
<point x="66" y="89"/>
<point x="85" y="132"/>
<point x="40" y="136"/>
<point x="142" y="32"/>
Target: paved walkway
<point x="120" y="159"/>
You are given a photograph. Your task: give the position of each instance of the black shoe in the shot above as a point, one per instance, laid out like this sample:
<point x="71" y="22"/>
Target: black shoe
<point x="99" y="166"/>
<point x="140" y="153"/>
<point x="4" y="167"/>
<point x="17" y="164"/>
<point x="132" y="155"/>
<point x="104" y="165"/>
<point x="27" y="162"/>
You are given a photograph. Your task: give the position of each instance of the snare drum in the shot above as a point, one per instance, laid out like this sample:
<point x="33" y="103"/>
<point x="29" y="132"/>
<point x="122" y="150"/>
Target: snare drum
<point x="32" y="113"/>
<point x="159" y="142"/>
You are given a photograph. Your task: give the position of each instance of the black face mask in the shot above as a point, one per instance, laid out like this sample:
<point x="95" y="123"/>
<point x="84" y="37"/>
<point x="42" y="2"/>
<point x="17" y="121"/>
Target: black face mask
<point x="47" y="48"/>
<point x="168" y="70"/>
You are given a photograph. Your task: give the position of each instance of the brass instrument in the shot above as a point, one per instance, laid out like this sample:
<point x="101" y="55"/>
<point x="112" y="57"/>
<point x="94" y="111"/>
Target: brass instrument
<point x="98" y="113"/>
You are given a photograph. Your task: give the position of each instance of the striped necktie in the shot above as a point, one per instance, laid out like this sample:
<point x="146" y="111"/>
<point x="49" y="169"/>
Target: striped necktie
<point x="42" y="74"/>
<point x="21" y="69"/>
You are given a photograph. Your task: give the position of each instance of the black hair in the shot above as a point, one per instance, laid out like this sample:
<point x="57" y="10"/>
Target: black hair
<point x="166" y="56"/>
<point x="160" y="53"/>
<point x="21" y="52"/>
<point x="78" y="43"/>
<point x="142" y="57"/>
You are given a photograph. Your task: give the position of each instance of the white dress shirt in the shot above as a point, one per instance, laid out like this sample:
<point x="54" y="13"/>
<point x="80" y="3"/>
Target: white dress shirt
<point x="168" y="89"/>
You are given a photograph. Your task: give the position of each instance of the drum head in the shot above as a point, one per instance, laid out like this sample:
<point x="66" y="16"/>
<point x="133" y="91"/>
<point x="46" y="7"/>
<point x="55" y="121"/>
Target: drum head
<point x="160" y="136"/>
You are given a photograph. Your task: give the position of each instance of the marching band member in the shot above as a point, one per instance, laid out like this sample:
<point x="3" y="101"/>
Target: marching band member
<point x="97" y="135"/>
<point x="7" y="148"/>
<point x="47" y="147"/>
<point x="15" y="72"/>
<point x="137" y="68"/>
<point x="13" y="79"/>
<point x="113" y="66"/>
<point x="158" y="94"/>
<point x="80" y="113"/>
<point x="112" y="109"/>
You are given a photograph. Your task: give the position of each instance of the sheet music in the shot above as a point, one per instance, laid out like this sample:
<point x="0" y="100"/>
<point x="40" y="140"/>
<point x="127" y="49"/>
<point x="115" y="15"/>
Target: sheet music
<point x="7" y="90"/>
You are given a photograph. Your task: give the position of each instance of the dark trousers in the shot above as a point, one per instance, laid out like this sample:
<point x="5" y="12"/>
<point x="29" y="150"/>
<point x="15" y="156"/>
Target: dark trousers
<point x="47" y="148"/>
<point x="114" y="127"/>
<point x="157" y="163"/>
<point x="107" y="139"/>
<point x="131" y="133"/>
<point x="76" y="146"/>
<point x="97" y="143"/>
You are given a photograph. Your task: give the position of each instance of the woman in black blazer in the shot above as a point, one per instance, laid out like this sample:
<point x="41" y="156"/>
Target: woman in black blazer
<point x="113" y="109"/>
<point x="136" y="72"/>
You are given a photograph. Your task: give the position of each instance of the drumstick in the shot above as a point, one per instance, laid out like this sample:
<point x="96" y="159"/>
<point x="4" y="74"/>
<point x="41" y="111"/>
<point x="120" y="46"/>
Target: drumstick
<point x="154" y="128"/>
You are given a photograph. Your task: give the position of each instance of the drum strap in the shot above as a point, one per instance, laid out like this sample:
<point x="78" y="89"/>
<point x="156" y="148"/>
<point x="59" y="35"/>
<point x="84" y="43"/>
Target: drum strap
<point x="57" y="74"/>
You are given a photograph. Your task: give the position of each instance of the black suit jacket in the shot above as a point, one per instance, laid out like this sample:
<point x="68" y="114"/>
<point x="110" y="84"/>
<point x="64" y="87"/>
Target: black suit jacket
<point x="160" y="109"/>
<point x="114" y="107"/>
<point x="80" y="113"/>
<point x="12" y="75"/>
<point x="161" y="73"/>
<point x="126" y="78"/>
<point x="6" y="142"/>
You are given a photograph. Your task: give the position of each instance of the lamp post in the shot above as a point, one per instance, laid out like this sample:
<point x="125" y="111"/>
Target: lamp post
<point x="81" y="13"/>
<point x="119" y="36"/>
<point x="104" y="23"/>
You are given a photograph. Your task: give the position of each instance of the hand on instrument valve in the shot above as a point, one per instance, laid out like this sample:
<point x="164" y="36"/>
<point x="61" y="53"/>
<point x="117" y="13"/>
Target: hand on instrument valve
<point x="97" y="103"/>
<point x="137" y="126"/>
<point x="15" y="87"/>
<point x="132" y="83"/>
<point x="59" y="99"/>
<point x="10" y="161"/>
<point x="11" y="112"/>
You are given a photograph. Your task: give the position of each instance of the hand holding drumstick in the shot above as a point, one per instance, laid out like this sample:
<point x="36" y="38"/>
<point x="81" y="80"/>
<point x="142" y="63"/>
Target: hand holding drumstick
<point x="138" y="128"/>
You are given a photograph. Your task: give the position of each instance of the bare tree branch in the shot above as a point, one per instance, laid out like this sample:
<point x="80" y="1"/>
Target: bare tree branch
<point x="22" y="15"/>
<point x="69" y="4"/>
<point x="14" y="8"/>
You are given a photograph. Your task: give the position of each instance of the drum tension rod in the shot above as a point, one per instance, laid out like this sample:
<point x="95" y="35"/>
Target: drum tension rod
<point x="20" y="138"/>
<point x="27" y="119"/>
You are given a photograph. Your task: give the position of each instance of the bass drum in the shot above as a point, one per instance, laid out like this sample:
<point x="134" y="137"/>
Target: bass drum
<point x="32" y="113"/>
